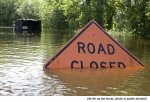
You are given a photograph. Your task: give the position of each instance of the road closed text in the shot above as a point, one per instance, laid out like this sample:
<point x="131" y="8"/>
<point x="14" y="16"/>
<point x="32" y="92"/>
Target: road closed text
<point x="91" y="48"/>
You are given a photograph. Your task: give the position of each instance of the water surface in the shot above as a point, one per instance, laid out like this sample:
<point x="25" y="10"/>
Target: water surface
<point x="22" y="59"/>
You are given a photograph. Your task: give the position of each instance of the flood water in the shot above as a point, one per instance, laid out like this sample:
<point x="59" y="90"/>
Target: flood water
<point x="22" y="74"/>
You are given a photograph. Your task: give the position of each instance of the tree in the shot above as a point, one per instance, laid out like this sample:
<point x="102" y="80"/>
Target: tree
<point x="53" y="16"/>
<point x="29" y="9"/>
<point x="134" y="15"/>
<point x="122" y="15"/>
<point x="72" y="10"/>
<point x="99" y="12"/>
<point x="7" y="12"/>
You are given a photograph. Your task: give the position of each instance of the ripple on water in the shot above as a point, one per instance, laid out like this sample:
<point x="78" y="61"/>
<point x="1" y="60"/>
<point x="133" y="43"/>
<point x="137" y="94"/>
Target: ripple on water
<point x="84" y="88"/>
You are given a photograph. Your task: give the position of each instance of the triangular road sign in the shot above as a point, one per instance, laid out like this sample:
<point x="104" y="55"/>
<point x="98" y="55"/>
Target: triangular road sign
<point x="92" y="47"/>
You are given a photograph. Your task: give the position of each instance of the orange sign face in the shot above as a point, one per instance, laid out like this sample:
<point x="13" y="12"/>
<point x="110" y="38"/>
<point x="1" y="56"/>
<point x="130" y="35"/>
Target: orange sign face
<point x="93" y="48"/>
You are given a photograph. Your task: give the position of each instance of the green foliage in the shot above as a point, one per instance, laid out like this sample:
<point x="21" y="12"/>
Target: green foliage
<point x="122" y="15"/>
<point x="134" y="17"/>
<point x="108" y="13"/>
<point x="7" y="12"/>
<point x="29" y="9"/>
<point x="72" y="11"/>
<point x="53" y="16"/>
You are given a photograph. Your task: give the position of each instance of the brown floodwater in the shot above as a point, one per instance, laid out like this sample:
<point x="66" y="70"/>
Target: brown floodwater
<point x="22" y="74"/>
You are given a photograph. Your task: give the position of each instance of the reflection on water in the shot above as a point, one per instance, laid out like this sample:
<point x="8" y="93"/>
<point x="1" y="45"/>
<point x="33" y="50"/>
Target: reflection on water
<point x="22" y="59"/>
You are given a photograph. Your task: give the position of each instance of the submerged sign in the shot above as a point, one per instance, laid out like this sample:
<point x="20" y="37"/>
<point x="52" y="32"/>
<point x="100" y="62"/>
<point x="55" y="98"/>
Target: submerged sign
<point x="92" y="47"/>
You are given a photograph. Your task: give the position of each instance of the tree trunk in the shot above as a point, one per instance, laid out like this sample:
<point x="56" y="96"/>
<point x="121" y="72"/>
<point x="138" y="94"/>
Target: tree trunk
<point x="87" y="12"/>
<point x="99" y="11"/>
